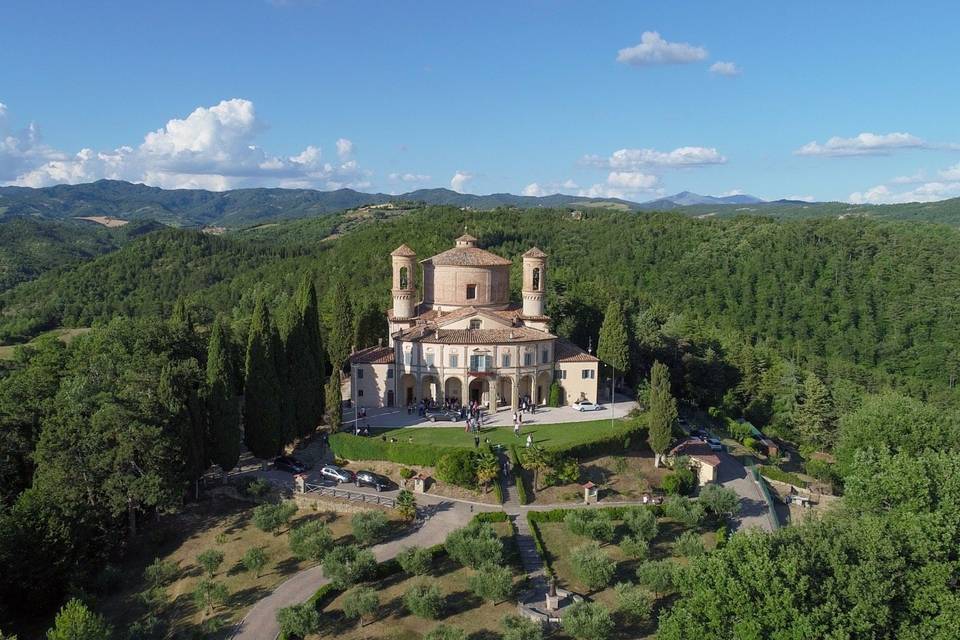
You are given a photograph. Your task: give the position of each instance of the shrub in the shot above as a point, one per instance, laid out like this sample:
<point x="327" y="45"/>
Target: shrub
<point x="555" y="399"/>
<point x="591" y="524"/>
<point x="458" y="467"/>
<point x="778" y="474"/>
<point x="299" y="621"/>
<point x="210" y="560"/>
<point x="348" y="565"/>
<point x="739" y="430"/>
<point x="369" y="527"/>
<point x="719" y="501"/>
<point x="642" y="522"/>
<point x="475" y="545"/>
<point x="406" y="473"/>
<point x="751" y="443"/>
<point x="353" y="447"/>
<point x="75" y="621"/>
<point x="492" y="582"/>
<point x="588" y="621"/>
<point x="258" y="488"/>
<point x="822" y="471"/>
<point x="255" y="559"/>
<point x="416" y="561"/>
<point x="446" y="632"/>
<point x="635" y="547"/>
<point x="634" y="603"/>
<point x="424" y="601"/>
<point x="270" y="517"/>
<point x="360" y="602"/>
<point x="687" y="512"/>
<point x="311" y="540"/>
<point x="722" y="534"/>
<point x="517" y="628"/>
<point x="620" y="464"/>
<point x="592" y="566"/>
<point x="657" y="575"/>
<point x="208" y="594"/>
<point x="671" y="484"/>
<point x="688" y="545"/>
<point x="406" y="505"/>
<point x="160" y="572"/>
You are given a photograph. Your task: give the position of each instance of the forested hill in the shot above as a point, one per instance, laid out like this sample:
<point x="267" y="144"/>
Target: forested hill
<point x="870" y="300"/>
<point x="246" y="207"/>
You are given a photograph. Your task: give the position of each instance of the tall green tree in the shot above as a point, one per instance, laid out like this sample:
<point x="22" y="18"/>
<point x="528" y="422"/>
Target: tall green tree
<point x="371" y="326"/>
<point x="306" y="361"/>
<point x="224" y="433"/>
<point x="613" y="348"/>
<point x="814" y="415"/>
<point x="263" y="417"/>
<point x="340" y="336"/>
<point x="334" y="402"/>
<point x="76" y="622"/>
<point x="663" y="411"/>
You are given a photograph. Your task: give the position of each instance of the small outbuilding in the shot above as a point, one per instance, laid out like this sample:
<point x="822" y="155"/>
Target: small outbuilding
<point x="705" y="461"/>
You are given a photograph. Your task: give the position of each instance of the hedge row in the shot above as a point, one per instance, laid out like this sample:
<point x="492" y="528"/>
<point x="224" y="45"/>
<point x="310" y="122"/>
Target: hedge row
<point x="351" y="447"/>
<point x="491" y="516"/>
<point x="538" y="543"/>
<point x="518" y="475"/>
<point x="614" y="513"/>
<point x="778" y="474"/>
<point x="498" y="483"/>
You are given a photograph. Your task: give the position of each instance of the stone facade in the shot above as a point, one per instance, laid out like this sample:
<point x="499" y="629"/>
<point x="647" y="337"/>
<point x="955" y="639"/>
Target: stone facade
<point x="465" y="341"/>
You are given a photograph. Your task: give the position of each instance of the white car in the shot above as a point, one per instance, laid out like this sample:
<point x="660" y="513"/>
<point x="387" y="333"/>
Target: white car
<point x="585" y="405"/>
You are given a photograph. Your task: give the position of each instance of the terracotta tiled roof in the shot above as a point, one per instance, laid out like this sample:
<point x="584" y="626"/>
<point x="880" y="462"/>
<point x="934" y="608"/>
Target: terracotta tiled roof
<point x="535" y="253"/>
<point x="566" y="351"/>
<point x="473" y="336"/>
<point x="698" y="450"/>
<point x="466" y="238"/>
<point x="468" y="257"/>
<point x="373" y="355"/>
<point x="403" y="250"/>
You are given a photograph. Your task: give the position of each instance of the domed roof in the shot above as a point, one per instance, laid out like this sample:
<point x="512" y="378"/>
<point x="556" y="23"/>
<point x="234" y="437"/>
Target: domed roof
<point x="535" y="253"/>
<point x="403" y="251"/>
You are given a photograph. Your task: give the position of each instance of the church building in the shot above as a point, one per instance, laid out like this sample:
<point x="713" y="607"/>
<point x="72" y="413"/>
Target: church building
<point x="463" y="341"/>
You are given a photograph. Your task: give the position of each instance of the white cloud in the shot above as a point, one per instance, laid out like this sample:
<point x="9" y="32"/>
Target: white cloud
<point x="654" y="50"/>
<point x="728" y="69"/>
<point x="864" y="144"/>
<point x="634" y="159"/>
<point x="409" y="177"/>
<point x="344" y="148"/>
<point x="806" y="198"/>
<point x="951" y="173"/>
<point x="212" y="148"/>
<point x="624" y="185"/>
<point x="460" y="180"/>
<point x="732" y="192"/>
<point x="549" y="188"/>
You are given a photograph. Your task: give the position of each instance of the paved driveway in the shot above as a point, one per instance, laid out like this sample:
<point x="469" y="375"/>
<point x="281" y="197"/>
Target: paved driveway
<point x="754" y="511"/>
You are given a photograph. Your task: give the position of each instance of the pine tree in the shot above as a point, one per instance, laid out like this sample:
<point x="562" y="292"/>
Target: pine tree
<point x="613" y="348"/>
<point x="341" y="334"/>
<point x="223" y="402"/>
<point x="663" y="411"/>
<point x="306" y="361"/>
<point x="814" y="417"/>
<point x="263" y="394"/>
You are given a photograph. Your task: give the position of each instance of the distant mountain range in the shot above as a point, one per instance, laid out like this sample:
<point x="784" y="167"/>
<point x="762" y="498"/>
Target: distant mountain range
<point x="247" y="207"/>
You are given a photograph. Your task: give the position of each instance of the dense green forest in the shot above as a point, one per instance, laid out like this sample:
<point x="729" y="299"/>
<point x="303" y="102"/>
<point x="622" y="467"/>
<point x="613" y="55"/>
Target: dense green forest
<point x="837" y="335"/>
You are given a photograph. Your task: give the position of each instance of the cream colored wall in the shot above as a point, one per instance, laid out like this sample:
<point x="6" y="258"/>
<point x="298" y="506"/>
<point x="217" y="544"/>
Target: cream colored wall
<point x="705" y="473"/>
<point x="374" y="385"/>
<point x="574" y="384"/>
<point x="445" y="286"/>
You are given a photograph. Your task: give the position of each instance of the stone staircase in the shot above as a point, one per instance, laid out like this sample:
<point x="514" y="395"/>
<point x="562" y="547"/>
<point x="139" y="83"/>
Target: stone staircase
<point x="508" y="482"/>
<point x="532" y="562"/>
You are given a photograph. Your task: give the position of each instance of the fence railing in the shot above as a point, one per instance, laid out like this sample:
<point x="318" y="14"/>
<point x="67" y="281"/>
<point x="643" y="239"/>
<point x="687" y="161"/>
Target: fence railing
<point x="765" y="491"/>
<point x="352" y="496"/>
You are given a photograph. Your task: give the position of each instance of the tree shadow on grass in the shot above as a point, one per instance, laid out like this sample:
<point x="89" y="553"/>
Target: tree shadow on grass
<point x="246" y="597"/>
<point x="288" y="566"/>
<point x="393" y="608"/>
<point x="460" y="602"/>
<point x="484" y="634"/>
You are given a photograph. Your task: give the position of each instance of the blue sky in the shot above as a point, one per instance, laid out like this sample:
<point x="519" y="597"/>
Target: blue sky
<point x="829" y="100"/>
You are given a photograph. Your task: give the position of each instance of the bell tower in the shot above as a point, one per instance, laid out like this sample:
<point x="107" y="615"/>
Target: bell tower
<point x="534" y="282"/>
<point x="404" y="268"/>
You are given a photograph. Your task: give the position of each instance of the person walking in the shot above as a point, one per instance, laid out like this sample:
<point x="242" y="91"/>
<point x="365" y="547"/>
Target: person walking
<point x="529" y="440"/>
<point x="476" y="441"/>
<point x="516" y="427"/>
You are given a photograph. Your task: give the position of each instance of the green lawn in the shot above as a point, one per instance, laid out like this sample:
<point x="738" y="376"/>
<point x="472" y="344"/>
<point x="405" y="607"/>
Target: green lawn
<point x="545" y="435"/>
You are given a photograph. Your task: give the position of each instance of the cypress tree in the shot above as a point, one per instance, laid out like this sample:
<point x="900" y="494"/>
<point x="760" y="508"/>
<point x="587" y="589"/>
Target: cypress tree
<point x="370" y="327"/>
<point x="263" y="394"/>
<point x="306" y="361"/>
<point x="334" y="401"/>
<point x="223" y="403"/>
<point x="663" y="411"/>
<point x="613" y="348"/>
<point x="341" y="335"/>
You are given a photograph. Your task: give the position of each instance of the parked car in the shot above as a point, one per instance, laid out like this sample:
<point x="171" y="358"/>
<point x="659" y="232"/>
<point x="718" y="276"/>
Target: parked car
<point x="372" y="479"/>
<point x="289" y="464"/>
<point x="335" y="473"/>
<point x="700" y="434"/>
<point x="442" y="414"/>
<point x="714" y="444"/>
<point x="585" y="405"/>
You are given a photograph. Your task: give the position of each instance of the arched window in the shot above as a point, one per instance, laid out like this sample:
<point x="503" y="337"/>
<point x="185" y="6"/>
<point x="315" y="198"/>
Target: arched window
<point x="403" y="278"/>
<point x="536" y="279"/>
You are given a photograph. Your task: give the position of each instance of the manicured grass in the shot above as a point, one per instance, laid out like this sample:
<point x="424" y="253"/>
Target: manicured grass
<point x="550" y="436"/>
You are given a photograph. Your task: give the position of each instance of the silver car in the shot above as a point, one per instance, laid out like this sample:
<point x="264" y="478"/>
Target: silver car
<point x="337" y="474"/>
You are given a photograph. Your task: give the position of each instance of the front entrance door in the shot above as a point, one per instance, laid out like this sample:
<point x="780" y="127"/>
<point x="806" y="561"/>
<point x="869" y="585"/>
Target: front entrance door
<point x="390" y="398"/>
<point x="475" y="395"/>
<point x="409" y="396"/>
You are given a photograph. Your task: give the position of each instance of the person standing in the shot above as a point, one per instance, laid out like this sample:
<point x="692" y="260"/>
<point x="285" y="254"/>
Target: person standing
<point x="529" y="440"/>
<point x="516" y="427"/>
<point x="476" y="441"/>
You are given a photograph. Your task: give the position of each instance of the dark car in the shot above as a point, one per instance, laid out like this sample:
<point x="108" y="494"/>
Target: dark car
<point x="289" y="464"/>
<point x="335" y="473"/>
<point x="372" y="479"/>
<point x="700" y="434"/>
<point x="442" y="414"/>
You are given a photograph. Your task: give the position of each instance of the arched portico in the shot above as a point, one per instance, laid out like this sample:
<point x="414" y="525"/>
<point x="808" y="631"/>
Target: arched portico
<point x="430" y="387"/>
<point x="453" y="389"/>
<point x="507" y="391"/>
<point x="543" y="387"/>
<point x="525" y="387"/>
<point x="408" y="389"/>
